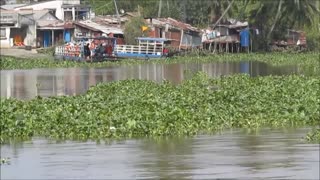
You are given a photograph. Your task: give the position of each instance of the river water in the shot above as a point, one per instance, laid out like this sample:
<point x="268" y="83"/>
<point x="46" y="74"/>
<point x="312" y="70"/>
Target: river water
<point x="26" y="84"/>
<point x="231" y="154"/>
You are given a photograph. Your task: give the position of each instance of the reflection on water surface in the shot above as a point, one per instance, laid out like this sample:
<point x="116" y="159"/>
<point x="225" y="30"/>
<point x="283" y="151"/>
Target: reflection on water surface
<point x="232" y="154"/>
<point x="26" y="84"/>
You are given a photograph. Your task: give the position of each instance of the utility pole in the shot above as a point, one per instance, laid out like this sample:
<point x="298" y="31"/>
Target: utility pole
<point x="115" y="4"/>
<point x="224" y="13"/>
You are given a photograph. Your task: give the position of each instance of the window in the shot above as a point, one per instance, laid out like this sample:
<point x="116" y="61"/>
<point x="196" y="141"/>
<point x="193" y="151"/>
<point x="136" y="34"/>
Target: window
<point x="52" y="11"/>
<point x="50" y="18"/>
<point x="3" y="33"/>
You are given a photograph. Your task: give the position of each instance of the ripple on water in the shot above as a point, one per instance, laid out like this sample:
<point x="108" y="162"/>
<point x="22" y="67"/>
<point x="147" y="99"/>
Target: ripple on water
<point x="231" y="154"/>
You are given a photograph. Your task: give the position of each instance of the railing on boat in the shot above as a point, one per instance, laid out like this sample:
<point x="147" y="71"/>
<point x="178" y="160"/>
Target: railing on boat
<point x="152" y="50"/>
<point x="148" y="47"/>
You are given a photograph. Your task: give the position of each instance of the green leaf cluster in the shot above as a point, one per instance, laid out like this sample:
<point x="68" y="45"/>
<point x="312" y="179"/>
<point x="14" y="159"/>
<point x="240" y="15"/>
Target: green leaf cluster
<point x="271" y="17"/>
<point x="140" y="108"/>
<point x="313" y="136"/>
<point x="132" y="30"/>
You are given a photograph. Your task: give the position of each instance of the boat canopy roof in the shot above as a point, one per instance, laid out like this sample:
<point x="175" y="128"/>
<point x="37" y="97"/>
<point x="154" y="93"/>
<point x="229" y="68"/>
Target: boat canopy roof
<point x="97" y="38"/>
<point x="152" y="39"/>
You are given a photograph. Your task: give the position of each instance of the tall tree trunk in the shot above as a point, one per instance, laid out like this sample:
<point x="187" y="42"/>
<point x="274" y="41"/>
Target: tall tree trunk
<point x="318" y="18"/>
<point x="275" y="20"/>
<point x="184" y="6"/>
<point x="223" y="14"/>
<point x="160" y="7"/>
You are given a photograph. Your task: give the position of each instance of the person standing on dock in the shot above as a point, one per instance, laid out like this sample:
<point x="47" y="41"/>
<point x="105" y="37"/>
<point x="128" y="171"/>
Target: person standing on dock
<point x="165" y="52"/>
<point x="92" y="49"/>
<point x="87" y="51"/>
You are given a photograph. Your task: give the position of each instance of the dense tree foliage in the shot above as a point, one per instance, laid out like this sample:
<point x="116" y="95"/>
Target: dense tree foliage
<point x="272" y="17"/>
<point x="133" y="29"/>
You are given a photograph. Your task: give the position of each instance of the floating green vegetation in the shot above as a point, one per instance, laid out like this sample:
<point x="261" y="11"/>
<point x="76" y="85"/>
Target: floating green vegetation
<point x="309" y="61"/>
<point x="5" y="161"/>
<point x="313" y="136"/>
<point x="134" y="108"/>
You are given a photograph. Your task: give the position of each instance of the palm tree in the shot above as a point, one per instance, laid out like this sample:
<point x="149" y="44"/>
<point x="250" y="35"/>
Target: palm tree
<point x="219" y="9"/>
<point x="224" y="13"/>
<point x="280" y="14"/>
<point x="301" y="12"/>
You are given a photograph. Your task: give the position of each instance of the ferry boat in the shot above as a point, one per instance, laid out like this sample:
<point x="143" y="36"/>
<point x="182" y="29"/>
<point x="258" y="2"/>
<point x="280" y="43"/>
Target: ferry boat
<point x="106" y="48"/>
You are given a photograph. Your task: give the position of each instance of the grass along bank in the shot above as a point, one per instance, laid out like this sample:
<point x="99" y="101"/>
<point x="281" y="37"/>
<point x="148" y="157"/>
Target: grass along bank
<point x="135" y="108"/>
<point x="309" y="61"/>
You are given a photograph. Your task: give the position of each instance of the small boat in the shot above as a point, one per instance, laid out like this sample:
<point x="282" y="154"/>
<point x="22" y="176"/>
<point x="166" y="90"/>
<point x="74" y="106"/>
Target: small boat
<point x="146" y="48"/>
<point x="106" y="48"/>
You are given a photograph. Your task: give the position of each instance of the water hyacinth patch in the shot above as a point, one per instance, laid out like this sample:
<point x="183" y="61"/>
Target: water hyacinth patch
<point x="5" y="161"/>
<point x="135" y="108"/>
<point x="313" y="136"/>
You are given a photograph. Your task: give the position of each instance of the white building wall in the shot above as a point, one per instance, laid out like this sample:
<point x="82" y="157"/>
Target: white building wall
<point x="31" y="37"/>
<point x="46" y="5"/>
<point x="6" y="84"/>
<point x="70" y="1"/>
<point x="5" y="43"/>
<point x="11" y="1"/>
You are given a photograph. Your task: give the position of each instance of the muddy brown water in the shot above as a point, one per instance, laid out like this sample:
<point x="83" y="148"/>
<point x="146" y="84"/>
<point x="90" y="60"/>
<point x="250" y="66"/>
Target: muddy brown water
<point x="26" y="84"/>
<point x="268" y="154"/>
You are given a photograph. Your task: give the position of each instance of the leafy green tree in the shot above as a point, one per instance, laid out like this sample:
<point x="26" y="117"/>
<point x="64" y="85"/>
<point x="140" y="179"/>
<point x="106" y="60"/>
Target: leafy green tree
<point x="271" y="17"/>
<point x="274" y="17"/>
<point x="132" y="30"/>
<point x="101" y="7"/>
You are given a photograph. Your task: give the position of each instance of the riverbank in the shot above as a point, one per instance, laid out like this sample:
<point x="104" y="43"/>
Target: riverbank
<point x="308" y="61"/>
<point x="135" y="108"/>
<point x="23" y="54"/>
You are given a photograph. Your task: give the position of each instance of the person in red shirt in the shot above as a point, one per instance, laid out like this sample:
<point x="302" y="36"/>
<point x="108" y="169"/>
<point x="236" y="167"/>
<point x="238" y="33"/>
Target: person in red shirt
<point x="165" y="52"/>
<point x="109" y="50"/>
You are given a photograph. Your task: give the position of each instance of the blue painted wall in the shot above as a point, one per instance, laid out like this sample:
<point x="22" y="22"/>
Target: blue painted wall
<point x="244" y="38"/>
<point x="46" y="38"/>
<point x="67" y="35"/>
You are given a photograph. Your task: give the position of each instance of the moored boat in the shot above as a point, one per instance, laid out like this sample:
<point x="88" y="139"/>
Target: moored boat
<point x="106" y="48"/>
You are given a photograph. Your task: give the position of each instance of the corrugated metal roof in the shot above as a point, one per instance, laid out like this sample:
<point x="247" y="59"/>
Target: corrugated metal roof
<point x="230" y="38"/>
<point x="34" y="15"/>
<point x="152" y="39"/>
<point x="37" y="13"/>
<point x="53" y="23"/>
<point x="75" y="5"/>
<point x="99" y="27"/>
<point x="109" y="19"/>
<point x="8" y="12"/>
<point x="11" y="6"/>
<point x="174" y="23"/>
<point x="34" y="3"/>
<point x="233" y="24"/>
